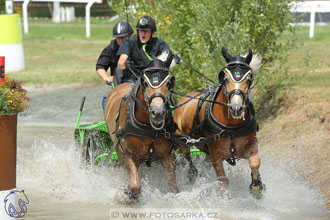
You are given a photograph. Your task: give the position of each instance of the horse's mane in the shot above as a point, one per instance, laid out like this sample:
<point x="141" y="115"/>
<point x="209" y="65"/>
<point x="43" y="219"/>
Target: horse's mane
<point x="255" y="63"/>
<point x="163" y="57"/>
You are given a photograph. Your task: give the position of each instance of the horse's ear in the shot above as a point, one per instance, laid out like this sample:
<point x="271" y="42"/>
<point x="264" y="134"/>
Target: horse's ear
<point x="249" y="57"/>
<point x="144" y="57"/>
<point x="221" y="77"/>
<point x="226" y="55"/>
<point x="171" y="83"/>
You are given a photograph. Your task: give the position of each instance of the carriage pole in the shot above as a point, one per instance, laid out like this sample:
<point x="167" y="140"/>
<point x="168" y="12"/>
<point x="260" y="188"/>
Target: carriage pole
<point x="8" y="131"/>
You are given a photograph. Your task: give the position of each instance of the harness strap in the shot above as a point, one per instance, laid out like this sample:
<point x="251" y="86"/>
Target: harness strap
<point x="196" y="126"/>
<point x="232" y="160"/>
<point x="138" y="101"/>
<point x="117" y="130"/>
<point x="214" y="137"/>
<point x="151" y="151"/>
<point x="113" y="147"/>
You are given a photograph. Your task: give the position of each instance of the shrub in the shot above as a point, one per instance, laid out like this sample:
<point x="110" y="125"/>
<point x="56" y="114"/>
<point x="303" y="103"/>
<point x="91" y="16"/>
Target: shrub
<point x="2" y="6"/>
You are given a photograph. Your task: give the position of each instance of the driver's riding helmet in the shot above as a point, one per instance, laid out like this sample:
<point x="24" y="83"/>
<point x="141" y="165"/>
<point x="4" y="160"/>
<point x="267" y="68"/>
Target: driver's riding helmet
<point x="122" y="29"/>
<point x="146" y="23"/>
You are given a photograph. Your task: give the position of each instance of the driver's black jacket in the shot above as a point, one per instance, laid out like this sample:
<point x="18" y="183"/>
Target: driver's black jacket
<point x="132" y="47"/>
<point x="109" y="58"/>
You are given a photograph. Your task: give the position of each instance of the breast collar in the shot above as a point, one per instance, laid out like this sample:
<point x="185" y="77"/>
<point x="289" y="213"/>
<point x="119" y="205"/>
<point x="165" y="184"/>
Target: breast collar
<point x="214" y="126"/>
<point x="135" y="128"/>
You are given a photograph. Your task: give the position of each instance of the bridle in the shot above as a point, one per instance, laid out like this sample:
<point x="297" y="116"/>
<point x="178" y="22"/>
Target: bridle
<point x="148" y="100"/>
<point x="229" y="95"/>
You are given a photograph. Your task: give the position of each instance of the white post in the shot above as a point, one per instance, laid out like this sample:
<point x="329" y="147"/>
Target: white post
<point x="312" y="23"/>
<point x="88" y="18"/>
<point x="62" y="10"/>
<point x="56" y="12"/>
<point x="25" y="16"/>
<point x="67" y="14"/>
<point x="72" y="13"/>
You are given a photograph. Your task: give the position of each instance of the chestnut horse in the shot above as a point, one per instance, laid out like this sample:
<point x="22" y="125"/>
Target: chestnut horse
<point x="138" y="117"/>
<point x="225" y="119"/>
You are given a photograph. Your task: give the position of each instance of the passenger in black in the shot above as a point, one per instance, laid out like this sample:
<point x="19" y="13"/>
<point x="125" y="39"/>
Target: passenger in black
<point x="130" y="49"/>
<point x="109" y="58"/>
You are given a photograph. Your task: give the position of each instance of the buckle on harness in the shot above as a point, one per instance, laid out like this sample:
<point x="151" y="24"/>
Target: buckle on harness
<point x="192" y="140"/>
<point x="167" y="135"/>
<point x="217" y="137"/>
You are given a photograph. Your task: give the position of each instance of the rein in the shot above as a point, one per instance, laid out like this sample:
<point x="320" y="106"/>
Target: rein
<point x="193" y="69"/>
<point x="194" y="97"/>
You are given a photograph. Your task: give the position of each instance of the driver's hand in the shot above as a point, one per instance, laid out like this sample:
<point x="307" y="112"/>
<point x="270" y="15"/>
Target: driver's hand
<point x="128" y="64"/>
<point x="109" y="79"/>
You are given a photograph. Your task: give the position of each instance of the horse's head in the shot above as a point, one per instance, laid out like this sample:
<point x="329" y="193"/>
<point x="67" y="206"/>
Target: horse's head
<point x="237" y="78"/>
<point x="156" y="83"/>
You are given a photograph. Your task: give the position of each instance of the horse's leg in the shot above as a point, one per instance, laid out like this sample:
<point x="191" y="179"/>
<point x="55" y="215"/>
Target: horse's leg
<point x="135" y="185"/>
<point x="169" y="164"/>
<point x="256" y="186"/>
<point x="217" y="162"/>
<point x="192" y="172"/>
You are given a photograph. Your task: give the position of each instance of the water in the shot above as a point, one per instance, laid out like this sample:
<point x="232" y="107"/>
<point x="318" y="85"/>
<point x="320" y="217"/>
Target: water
<point x="59" y="187"/>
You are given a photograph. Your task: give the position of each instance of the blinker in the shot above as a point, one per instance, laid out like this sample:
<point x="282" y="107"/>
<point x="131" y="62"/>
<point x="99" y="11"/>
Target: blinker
<point x="238" y="73"/>
<point x="156" y="79"/>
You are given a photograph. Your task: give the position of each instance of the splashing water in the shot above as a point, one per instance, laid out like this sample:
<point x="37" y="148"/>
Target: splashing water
<point x="49" y="170"/>
<point x="60" y="187"/>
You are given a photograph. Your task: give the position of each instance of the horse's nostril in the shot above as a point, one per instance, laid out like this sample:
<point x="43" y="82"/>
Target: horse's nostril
<point x="163" y="113"/>
<point x="240" y="109"/>
<point x="153" y="112"/>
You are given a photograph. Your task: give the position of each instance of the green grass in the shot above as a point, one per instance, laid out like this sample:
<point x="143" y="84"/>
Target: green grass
<point x="57" y="54"/>
<point x="309" y="63"/>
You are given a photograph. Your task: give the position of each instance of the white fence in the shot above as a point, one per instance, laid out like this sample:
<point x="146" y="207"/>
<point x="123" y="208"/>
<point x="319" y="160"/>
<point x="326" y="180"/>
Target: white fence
<point x="87" y="9"/>
<point x="311" y="7"/>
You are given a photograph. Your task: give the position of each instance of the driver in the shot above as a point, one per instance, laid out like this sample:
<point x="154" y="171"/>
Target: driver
<point x="130" y="49"/>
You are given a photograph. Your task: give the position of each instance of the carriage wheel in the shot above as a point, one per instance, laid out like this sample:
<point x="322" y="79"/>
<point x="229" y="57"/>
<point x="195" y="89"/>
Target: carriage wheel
<point x="90" y="150"/>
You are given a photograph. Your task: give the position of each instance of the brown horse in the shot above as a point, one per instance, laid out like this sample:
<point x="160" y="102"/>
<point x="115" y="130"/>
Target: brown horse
<point x="138" y="118"/>
<point x="225" y="119"/>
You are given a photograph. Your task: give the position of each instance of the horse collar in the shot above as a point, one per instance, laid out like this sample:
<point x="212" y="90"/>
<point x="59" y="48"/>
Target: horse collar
<point x="214" y="126"/>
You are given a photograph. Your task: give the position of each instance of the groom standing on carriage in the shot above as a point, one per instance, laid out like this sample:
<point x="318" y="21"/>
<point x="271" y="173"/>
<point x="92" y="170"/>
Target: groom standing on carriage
<point x="109" y="58"/>
<point x="130" y="49"/>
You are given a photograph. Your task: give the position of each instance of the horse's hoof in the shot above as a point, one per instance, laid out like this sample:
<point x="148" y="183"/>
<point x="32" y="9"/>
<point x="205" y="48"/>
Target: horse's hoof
<point x="257" y="187"/>
<point x="129" y="193"/>
<point x="192" y="174"/>
<point x="256" y="191"/>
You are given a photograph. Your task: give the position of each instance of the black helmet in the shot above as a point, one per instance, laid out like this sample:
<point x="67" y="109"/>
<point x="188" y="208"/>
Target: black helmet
<point x="146" y="23"/>
<point x="122" y="29"/>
